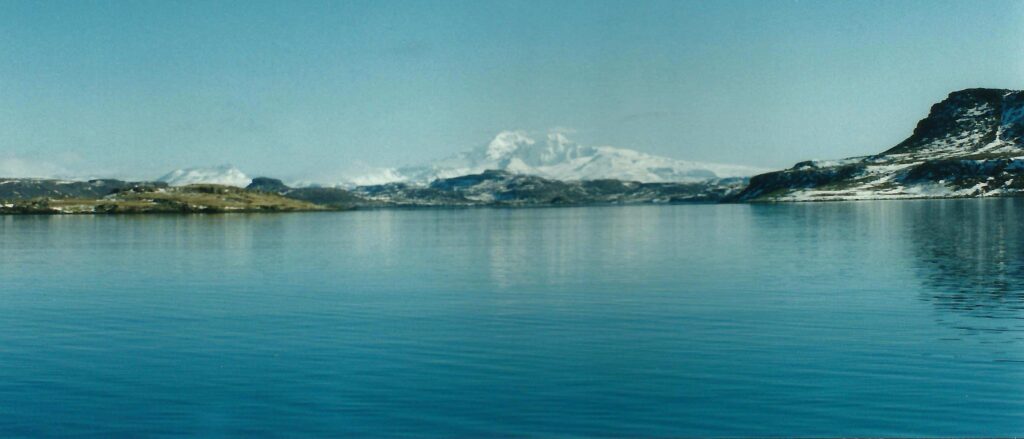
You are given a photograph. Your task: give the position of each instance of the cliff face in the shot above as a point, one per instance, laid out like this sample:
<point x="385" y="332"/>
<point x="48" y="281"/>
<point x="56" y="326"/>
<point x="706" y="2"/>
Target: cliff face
<point x="970" y="145"/>
<point x="967" y="120"/>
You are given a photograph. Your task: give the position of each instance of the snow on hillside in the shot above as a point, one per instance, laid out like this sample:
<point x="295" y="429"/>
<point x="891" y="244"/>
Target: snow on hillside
<point x="969" y="145"/>
<point x="557" y="157"/>
<point x="226" y="174"/>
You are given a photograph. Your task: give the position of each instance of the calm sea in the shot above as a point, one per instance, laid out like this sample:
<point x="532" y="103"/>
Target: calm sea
<point x="865" y="319"/>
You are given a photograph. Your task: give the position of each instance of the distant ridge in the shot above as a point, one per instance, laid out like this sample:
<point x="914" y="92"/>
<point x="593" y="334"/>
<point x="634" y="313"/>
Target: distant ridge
<point x="264" y="194"/>
<point x="558" y="158"/>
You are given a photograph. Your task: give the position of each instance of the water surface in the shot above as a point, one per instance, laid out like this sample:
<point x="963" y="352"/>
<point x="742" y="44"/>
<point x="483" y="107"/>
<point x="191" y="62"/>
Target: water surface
<point x="871" y="318"/>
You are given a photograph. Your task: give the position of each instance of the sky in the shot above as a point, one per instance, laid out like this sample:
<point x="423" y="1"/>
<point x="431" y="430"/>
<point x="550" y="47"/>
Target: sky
<point x="310" y="89"/>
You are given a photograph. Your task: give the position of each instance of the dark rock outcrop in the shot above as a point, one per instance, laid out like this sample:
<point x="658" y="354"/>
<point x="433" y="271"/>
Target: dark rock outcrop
<point x="973" y="115"/>
<point x="267" y="184"/>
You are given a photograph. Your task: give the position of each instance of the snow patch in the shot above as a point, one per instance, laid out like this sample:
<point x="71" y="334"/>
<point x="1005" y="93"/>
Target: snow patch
<point x="226" y="175"/>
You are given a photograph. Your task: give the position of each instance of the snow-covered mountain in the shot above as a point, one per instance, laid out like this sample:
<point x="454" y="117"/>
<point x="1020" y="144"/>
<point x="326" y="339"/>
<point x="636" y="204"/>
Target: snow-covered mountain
<point x="557" y="157"/>
<point x="224" y="174"/>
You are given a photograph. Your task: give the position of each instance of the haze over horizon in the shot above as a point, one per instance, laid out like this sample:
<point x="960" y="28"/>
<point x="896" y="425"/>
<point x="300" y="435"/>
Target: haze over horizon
<point x="312" y="90"/>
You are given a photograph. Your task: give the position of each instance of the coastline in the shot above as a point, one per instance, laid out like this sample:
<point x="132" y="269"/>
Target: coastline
<point x="77" y="207"/>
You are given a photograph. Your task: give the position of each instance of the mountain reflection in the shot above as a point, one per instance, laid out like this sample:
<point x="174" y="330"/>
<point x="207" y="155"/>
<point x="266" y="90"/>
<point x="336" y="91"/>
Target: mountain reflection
<point x="970" y="256"/>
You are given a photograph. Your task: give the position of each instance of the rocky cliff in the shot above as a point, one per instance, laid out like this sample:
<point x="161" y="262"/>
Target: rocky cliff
<point x="970" y="145"/>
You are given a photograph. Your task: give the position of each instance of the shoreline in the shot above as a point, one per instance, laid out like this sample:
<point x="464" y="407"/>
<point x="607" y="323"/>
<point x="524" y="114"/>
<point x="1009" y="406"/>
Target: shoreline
<point x="17" y="208"/>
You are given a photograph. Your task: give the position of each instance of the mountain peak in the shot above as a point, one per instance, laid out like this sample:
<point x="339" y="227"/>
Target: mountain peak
<point x="968" y="120"/>
<point x="506" y="143"/>
<point x="979" y="93"/>
<point x="557" y="157"/>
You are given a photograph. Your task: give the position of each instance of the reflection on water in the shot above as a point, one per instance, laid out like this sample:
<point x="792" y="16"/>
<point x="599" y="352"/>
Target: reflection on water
<point x="970" y="257"/>
<point x="703" y="320"/>
<point x="565" y="245"/>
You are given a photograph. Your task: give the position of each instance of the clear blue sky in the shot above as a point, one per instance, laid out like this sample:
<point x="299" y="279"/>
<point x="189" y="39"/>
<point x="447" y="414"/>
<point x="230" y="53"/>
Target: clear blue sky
<point x="304" y="88"/>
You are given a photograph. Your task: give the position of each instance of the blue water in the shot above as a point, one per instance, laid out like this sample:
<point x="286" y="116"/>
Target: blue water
<point x="872" y="318"/>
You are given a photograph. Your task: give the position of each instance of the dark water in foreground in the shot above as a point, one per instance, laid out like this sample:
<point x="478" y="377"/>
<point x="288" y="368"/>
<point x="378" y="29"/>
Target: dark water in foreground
<point x="874" y="318"/>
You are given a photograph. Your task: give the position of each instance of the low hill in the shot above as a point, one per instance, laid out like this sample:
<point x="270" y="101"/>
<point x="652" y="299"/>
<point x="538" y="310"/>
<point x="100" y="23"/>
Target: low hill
<point x="201" y="198"/>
